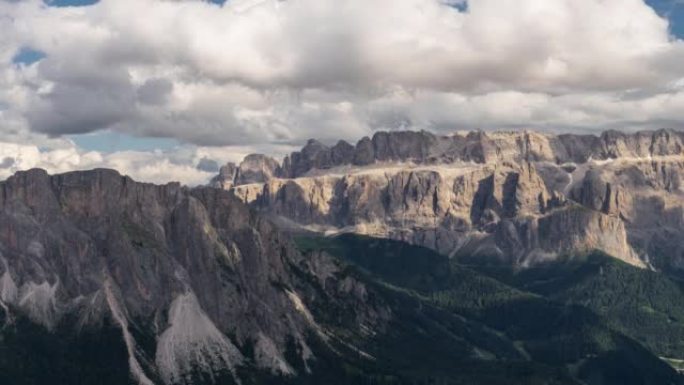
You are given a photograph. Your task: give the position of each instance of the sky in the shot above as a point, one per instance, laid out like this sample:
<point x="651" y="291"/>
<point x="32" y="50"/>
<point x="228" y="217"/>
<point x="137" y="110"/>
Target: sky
<point x="167" y="90"/>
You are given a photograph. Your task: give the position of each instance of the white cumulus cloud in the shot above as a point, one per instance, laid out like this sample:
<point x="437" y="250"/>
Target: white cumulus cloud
<point x="276" y="72"/>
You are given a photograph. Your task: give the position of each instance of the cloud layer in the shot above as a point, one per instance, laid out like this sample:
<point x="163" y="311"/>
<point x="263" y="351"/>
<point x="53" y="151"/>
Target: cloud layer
<point x="190" y="164"/>
<point x="255" y="73"/>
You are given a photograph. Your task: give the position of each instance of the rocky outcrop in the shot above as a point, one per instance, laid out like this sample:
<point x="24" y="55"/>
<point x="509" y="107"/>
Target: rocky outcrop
<point x="226" y="176"/>
<point x="255" y="168"/>
<point x="521" y="196"/>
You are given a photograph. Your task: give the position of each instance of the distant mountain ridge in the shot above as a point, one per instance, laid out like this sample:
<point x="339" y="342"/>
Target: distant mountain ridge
<point x="524" y="197"/>
<point x="423" y="147"/>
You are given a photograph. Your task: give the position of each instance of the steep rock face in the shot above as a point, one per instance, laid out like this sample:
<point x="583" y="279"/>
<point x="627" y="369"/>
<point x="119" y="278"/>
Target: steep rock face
<point x="563" y="232"/>
<point x="503" y="210"/>
<point x="491" y="193"/>
<point x="191" y="267"/>
<point x="648" y="196"/>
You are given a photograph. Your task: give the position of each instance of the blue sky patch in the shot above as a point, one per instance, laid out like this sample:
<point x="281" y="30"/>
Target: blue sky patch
<point x="461" y="6"/>
<point x="27" y="56"/>
<point x="672" y="10"/>
<point x="69" y="3"/>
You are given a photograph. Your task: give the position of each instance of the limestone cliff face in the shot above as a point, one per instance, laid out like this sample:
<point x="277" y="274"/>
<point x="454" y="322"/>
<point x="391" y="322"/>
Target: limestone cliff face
<point x="194" y="270"/>
<point x="523" y="197"/>
<point x="648" y="196"/>
<point x="503" y="211"/>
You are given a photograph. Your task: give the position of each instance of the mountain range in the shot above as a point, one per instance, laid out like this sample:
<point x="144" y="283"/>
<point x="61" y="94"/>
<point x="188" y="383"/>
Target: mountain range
<point x="522" y="197"/>
<point x="409" y="258"/>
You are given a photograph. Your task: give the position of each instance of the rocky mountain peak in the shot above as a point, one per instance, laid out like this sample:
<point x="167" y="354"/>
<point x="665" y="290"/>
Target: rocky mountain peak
<point x="254" y="168"/>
